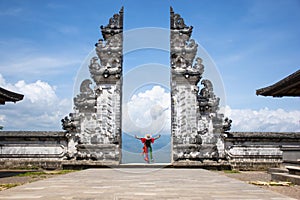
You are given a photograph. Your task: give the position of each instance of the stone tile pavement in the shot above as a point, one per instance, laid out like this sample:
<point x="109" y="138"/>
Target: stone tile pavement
<point x="140" y="184"/>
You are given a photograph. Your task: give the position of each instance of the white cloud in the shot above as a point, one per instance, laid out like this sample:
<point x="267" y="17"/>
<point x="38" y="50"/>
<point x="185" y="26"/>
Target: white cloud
<point x="148" y="112"/>
<point x="40" y="109"/>
<point x="264" y="120"/>
<point x="37" y="92"/>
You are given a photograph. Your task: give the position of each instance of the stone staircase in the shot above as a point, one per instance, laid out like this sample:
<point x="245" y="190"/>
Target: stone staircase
<point x="290" y="170"/>
<point x="289" y="174"/>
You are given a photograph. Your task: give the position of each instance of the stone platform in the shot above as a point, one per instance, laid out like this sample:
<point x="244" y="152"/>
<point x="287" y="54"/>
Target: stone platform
<point x="140" y="183"/>
<point x="86" y="164"/>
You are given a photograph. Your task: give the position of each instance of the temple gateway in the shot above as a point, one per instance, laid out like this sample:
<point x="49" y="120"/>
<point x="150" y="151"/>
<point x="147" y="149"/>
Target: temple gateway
<point x="94" y="129"/>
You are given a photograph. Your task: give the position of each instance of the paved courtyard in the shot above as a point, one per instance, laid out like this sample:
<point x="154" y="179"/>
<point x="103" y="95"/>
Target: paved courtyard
<point x="140" y="183"/>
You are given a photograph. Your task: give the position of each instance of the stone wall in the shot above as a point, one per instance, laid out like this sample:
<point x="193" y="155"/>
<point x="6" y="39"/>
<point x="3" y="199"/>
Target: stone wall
<point x="291" y="155"/>
<point x="244" y="150"/>
<point x="31" y="149"/>
<point x="257" y="150"/>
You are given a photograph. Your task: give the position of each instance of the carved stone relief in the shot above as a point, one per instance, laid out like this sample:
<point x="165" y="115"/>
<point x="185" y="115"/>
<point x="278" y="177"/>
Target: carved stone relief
<point x="196" y="125"/>
<point x="94" y="129"/>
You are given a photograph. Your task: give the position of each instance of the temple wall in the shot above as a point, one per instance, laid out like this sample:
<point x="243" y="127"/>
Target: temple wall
<point x="244" y="150"/>
<point x="258" y="150"/>
<point x="32" y="149"/>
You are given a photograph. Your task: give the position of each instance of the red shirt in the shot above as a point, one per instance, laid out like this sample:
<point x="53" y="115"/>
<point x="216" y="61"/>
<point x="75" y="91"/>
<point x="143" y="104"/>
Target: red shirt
<point x="147" y="142"/>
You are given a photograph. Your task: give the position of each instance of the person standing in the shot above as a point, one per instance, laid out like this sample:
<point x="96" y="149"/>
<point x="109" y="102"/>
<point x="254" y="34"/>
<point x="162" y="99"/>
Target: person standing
<point x="147" y="148"/>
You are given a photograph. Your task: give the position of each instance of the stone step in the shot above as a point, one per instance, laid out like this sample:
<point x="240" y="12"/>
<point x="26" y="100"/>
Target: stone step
<point x="286" y="177"/>
<point x="277" y="170"/>
<point x="293" y="170"/>
<point x="85" y="164"/>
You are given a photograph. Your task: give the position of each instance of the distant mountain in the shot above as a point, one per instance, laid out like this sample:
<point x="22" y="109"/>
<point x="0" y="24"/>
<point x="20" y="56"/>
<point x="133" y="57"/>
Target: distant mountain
<point x="132" y="149"/>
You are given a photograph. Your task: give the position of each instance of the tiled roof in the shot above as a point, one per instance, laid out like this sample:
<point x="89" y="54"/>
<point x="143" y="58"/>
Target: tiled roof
<point x="289" y="86"/>
<point x="6" y="95"/>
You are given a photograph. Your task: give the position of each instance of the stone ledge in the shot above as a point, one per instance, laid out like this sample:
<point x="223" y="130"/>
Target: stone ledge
<point x="291" y="163"/>
<point x="277" y="170"/>
<point x="290" y="148"/>
<point x="85" y="164"/>
<point x="205" y="164"/>
<point x="286" y="177"/>
<point x="30" y="163"/>
<point x="295" y="170"/>
<point x="272" y="135"/>
<point x="32" y="134"/>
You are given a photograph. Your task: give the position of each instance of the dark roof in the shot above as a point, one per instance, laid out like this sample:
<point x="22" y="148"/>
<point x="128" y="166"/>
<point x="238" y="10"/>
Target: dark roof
<point x="6" y="95"/>
<point x="289" y="86"/>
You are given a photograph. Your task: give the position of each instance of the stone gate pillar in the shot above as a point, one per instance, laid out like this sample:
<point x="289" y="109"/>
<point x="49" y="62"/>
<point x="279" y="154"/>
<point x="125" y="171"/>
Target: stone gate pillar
<point x="94" y="129"/>
<point x="196" y="125"/>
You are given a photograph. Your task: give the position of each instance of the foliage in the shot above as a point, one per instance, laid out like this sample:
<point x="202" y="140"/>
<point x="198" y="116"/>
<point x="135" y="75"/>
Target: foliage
<point x="31" y="174"/>
<point x="43" y="173"/>
<point x="271" y="183"/>
<point x="231" y="171"/>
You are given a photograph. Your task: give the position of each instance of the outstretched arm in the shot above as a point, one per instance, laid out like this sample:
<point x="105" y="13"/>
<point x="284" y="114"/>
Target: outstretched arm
<point x="157" y="137"/>
<point x="137" y="137"/>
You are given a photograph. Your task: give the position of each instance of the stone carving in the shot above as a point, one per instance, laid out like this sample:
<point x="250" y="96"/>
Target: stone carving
<point x="94" y="129"/>
<point x="109" y="50"/>
<point x="208" y="102"/>
<point x="85" y="102"/>
<point x="68" y="124"/>
<point x="227" y="124"/>
<point x="196" y="125"/>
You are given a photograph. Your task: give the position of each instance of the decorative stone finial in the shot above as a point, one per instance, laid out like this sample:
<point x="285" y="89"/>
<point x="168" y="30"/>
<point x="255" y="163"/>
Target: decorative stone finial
<point x="109" y="51"/>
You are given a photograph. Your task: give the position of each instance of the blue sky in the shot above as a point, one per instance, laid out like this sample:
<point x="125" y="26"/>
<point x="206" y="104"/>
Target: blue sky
<point x="254" y="43"/>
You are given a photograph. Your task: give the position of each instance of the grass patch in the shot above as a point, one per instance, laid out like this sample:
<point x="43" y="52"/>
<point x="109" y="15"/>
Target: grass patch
<point x="65" y="171"/>
<point x="43" y="174"/>
<point x="31" y="174"/>
<point x="8" y="185"/>
<point x="231" y="171"/>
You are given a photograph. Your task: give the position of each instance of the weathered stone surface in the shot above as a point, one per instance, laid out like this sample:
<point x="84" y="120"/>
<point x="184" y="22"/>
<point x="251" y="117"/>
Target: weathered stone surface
<point x="290" y="169"/>
<point x="30" y="163"/>
<point x="257" y="150"/>
<point x="31" y="134"/>
<point x="295" y="179"/>
<point x="94" y="129"/>
<point x="141" y="184"/>
<point x="196" y="125"/>
<point x="32" y="144"/>
<point x="291" y="153"/>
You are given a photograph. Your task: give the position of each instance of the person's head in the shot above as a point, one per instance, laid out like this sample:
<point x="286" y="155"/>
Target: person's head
<point x="148" y="136"/>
